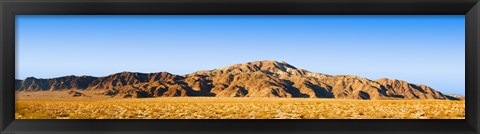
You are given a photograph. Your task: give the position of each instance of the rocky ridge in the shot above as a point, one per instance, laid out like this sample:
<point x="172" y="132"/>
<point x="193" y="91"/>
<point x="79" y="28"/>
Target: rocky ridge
<point x="252" y="79"/>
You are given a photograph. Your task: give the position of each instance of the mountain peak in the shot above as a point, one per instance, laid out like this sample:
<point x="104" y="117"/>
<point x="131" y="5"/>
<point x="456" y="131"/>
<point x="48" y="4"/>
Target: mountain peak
<point x="267" y="78"/>
<point x="30" y="78"/>
<point x="383" y="80"/>
<point x="125" y="73"/>
<point x="273" y="63"/>
<point x="266" y="66"/>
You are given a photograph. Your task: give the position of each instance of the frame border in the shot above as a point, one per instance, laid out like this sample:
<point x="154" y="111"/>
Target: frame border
<point x="10" y="8"/>
<point x="472" y="51"/>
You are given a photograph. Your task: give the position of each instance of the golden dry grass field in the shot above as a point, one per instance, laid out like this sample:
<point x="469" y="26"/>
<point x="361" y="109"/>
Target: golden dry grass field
<point x="238" y="108"/>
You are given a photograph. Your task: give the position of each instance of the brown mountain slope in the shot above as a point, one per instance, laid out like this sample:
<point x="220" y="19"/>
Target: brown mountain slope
<point x="252" y="79"/>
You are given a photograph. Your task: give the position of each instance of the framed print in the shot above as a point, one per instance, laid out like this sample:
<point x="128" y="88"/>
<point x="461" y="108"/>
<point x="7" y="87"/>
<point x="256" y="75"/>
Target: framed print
<point x="311" y="66"/>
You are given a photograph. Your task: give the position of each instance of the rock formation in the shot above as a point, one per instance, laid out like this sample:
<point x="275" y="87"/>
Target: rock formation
<point x="252" y="79"/>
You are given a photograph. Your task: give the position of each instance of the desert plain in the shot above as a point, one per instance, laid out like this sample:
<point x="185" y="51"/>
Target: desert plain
<point x="254" y="90"/>
<point x="59" y="105"/>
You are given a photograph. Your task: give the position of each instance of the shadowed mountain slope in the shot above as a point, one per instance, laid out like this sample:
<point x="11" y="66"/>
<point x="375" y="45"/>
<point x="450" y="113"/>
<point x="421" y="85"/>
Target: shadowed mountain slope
<point x="252" y="79"/>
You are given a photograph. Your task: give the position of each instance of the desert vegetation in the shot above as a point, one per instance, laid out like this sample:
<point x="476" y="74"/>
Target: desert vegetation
<point x="253" y="90"/>
<point x="239" y="108"/>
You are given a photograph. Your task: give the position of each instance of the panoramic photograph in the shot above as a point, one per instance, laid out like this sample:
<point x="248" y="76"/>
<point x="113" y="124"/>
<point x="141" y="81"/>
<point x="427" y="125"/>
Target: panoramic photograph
<point x="240" y="67"/>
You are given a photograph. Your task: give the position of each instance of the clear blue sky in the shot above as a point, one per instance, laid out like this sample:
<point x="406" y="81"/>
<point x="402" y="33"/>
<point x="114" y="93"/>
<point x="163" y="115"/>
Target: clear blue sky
<point x="426" y="50"/>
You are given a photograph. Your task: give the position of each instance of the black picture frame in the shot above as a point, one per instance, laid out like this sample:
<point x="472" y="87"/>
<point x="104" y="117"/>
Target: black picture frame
<point x="10" y="8"/>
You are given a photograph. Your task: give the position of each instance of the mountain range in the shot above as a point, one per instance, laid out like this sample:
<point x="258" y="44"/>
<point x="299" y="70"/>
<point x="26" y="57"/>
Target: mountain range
<point x="252" y="79"/>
